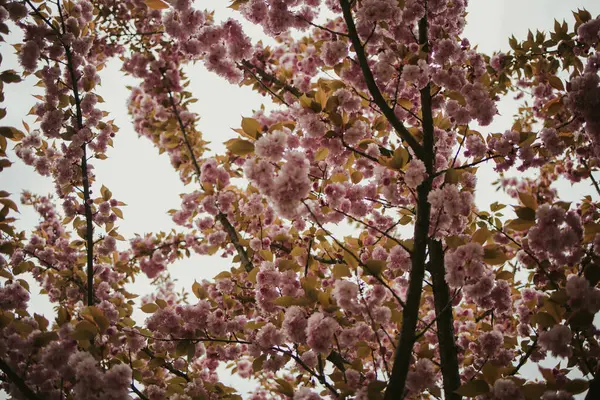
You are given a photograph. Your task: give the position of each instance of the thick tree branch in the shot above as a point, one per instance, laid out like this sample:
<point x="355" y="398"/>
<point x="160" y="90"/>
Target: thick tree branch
<point x="18" y="381"/>
<point x="233" y="237"/>
<point x="445" y="322"/>
<point x="372" y="85"/>
<point x="396" y="386"/>
<point x="395" y="389"/>
<point x="594" y="390"/>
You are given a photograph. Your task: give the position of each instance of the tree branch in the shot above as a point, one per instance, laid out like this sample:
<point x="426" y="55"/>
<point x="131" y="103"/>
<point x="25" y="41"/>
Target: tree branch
<point x="137" y="391"/>
<point x="233" y="237"/>
<point x="372" y="85"/>
<point x="87" y="202"/>
<point x="270" y="78"/>
<point x="231" y="232"/>
<point x="18" y="381"/>
<point x="445" y="322"/>
<point x="396" y="386"/>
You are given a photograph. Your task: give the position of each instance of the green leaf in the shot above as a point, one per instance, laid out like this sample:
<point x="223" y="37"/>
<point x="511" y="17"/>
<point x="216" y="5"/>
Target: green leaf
<point x="525" y="213"/>
<point x="520" y="225"/>
<point x="528" y="200"/>
<point x="375" y="267"/>
<point x="10" y="76"/>
<point x="341" y="270"/>
<point x="240" y="147"/>
<point x="251" y="127"/>
<point x="149" y="308"/>
<point x="493" y="255"/>
<point x="577" y="386"/>
<point x="473" y="388"/>
<point x="85" y="330"/>
<point x="543" y="320"/>
<point x="556" y="83"/>
<point x="321" y="154"/>
<point x="11" y="133"/>
<point x="106" y="194"/>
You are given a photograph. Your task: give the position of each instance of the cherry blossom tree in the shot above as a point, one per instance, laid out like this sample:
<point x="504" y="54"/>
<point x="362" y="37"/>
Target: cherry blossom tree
<point x="378" y="106"/>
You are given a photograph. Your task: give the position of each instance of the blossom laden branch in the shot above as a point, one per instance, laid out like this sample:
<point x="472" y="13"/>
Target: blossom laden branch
<point x="18" y="382"/>
<point x="372" y="85"/>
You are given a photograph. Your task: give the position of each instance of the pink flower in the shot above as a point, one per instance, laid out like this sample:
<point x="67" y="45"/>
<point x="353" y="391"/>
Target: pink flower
<point x="269" y="336"/>
<point x="29" y="55"/>
<point x="422" y="377"/>
<point x="271" y="146"/>
<point x="491" y="342"/>
<point x="333" y="51"/>
<point x="244" y="368"/>
<point x="415" y="174"/>
<point x="348" y="101"/>
<point x="13" y="296"/>
<point x="294" y="324"/>
<point x="320" y="331"/>
<point x="557" y="340"/>
<point x="475" y="146"/>
<point x="345" y="294"/>
<point x="590" y="32"/>
<point x="399" y="258"/>
<point x="506" y="389"/>
<point x="306" y="394"/>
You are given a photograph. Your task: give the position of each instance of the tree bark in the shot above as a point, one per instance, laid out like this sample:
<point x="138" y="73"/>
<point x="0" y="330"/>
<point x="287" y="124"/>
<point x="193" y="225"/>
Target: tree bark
<point x="445" y="322"/>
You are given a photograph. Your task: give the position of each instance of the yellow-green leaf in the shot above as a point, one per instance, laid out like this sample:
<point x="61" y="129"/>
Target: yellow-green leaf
<point x="156" y="4"/>
<point x="240" y="147"/>
<point x="251" y="127"/>
<point x="149" y="308"/>
<point x="473" y="388"/>
<point x="556" y="83"/>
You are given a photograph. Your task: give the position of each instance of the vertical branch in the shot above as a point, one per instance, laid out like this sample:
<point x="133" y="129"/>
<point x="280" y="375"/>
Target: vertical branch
<point x="396" y="387"/>
<point x="87" y="202"/>
<point x="441" y="291"/>
<point x="445" y="322"/>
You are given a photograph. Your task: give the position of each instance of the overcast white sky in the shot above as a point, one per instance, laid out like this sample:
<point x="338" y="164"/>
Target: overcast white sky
<point x="138" y="176"/>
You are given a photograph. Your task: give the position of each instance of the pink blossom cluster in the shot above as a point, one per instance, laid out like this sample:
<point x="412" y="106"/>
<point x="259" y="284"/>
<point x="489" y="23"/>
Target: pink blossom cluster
<point x="13" y="296"/>
<point x="272" y="146"/>
<point x="583" y="99"/>
<point x="582" y="296"/>
<point x="556" y="236"/>
<point x="333" y="52"/>
<point x="290" y="186"/>
<point x="450" y="208"/>
<point x="94" y="384"/>
<point x="345" y="294"/>
<point x="589" y="32"/>
<point x="320" y="332"/>
<point x="557" y="340"/>
<point x="378" y="10"/>
<point x="422" y="377"/>
<point x="277" y="17"/>
<point x="415" y="174"/>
